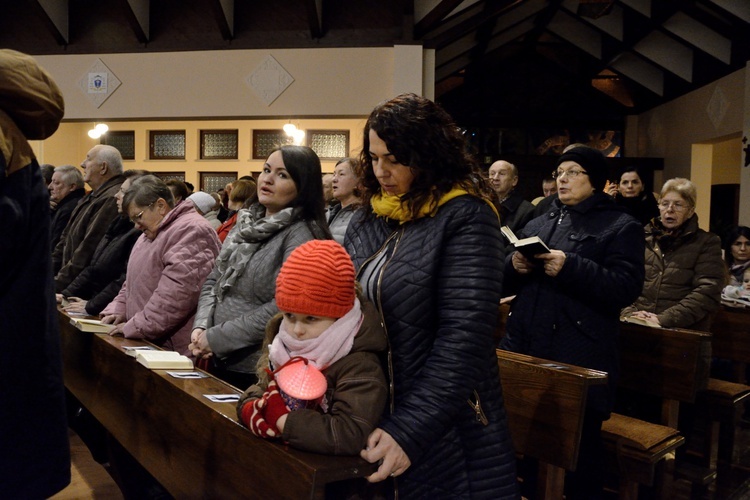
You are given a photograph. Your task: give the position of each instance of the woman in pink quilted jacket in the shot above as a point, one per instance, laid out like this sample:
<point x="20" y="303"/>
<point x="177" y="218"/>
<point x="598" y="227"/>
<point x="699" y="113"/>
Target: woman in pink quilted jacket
<point x="166" y="270"/>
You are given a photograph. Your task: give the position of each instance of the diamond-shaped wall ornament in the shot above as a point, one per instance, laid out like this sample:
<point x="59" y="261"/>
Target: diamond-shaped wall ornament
<point x="269" y="80"/>
<point x="98" y="83"/>
<point x="717" y="107"/>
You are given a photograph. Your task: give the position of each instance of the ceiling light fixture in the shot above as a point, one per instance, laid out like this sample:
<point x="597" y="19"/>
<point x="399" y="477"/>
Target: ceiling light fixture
<point x="297" y="134"/>
<point x="99" y="130"/>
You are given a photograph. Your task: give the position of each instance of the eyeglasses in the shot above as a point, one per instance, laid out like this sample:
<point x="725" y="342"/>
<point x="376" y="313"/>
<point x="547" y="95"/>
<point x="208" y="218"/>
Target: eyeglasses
<point x="677" y="206"/>
<point x="137" y="218"/>
<point x="572" y="174"/>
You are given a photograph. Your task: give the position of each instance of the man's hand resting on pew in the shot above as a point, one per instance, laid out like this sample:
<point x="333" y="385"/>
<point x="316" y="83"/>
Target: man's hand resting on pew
<point x="75" y="306"/>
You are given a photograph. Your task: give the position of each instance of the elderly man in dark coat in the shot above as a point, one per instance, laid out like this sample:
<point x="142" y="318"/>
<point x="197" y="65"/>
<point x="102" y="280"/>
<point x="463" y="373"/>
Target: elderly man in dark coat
<point x="34" y="449"/>
<point x="65" y="191"/>
<point x="102" y="170"/>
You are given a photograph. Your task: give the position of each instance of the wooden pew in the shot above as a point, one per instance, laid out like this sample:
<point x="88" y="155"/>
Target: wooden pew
<point x="672" y="364"/>
<point x="731" y="339"/>
<point x="194" y="447"/>
<point x="545" y="402"/>
<point x="723" y="402"/>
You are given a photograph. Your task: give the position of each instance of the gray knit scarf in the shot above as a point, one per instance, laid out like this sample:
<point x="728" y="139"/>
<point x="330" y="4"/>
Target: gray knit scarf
<point x="253" y="228"/>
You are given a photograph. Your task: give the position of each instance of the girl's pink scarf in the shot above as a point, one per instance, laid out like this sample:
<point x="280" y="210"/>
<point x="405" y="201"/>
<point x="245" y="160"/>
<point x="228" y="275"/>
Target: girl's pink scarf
<point x="332" y="345"/>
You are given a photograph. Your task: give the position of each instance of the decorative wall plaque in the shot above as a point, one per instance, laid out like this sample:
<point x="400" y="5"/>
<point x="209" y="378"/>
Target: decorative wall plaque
<point x="269" y="80"/>
<point x="98" y="83"/>
<point x="717" y="107"/>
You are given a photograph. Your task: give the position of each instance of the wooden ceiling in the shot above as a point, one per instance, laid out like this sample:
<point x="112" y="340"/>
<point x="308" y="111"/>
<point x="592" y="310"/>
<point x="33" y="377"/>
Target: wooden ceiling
<point x="498" y="62"/>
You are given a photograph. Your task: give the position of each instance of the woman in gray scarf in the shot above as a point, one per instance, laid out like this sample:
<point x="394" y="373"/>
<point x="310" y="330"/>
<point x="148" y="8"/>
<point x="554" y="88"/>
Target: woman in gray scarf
<point x="237" y="299"/>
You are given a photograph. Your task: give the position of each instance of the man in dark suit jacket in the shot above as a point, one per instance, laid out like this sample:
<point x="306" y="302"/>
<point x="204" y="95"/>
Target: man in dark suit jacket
<point x="91" y="217"/>
<point x="65" y="190"/>
<point x="514" y="211"/>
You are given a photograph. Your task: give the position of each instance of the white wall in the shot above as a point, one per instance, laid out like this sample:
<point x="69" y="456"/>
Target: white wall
<point x="212" y="84"/>
<point x="706" y="116"/>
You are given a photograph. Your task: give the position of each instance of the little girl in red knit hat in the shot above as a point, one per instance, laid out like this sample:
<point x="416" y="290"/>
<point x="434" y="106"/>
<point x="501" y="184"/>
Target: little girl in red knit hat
<point x="322" y="326"/>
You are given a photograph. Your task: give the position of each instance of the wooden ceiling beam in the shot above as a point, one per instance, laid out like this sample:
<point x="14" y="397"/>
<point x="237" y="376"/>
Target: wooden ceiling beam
<point x="315" y="17"/>
<point x="435" y="17"/>
<point x="56" y="16"/>
<point x="224" y="14"/>
<point x="139" y="17"/>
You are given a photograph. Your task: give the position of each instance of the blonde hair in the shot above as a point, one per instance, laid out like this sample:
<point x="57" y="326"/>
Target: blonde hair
<point x="683" y="187"/>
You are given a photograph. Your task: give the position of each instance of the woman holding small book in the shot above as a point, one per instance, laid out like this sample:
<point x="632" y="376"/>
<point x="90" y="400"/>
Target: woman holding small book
<point x="569" y="299"/>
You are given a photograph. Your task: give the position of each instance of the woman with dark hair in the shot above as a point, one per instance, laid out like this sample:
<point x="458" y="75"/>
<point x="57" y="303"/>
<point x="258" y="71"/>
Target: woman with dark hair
<point x="243" y="191"/>
<point x="178" y="188"/>
<point x="166" y="268"/>
<point x="630" y="192"/>
<point x="737" y="253"/>
<point x="347" y="190"/>
<point x="429" y="254"/>
<point x="237" y="299"/>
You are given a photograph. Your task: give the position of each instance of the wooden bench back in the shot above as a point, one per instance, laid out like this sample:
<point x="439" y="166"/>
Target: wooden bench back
<point x="731" y="334"/>
<point x="194" y="447"/>
<point x="545" y="402"/>
<point x="670" y="363"/>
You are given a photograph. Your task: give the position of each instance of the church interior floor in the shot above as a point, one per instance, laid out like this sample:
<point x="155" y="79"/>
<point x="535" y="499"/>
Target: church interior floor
<point x="90" y="480"/>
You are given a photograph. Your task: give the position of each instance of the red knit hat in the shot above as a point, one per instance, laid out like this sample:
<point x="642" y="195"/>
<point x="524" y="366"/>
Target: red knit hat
<point x="317" y="279"/>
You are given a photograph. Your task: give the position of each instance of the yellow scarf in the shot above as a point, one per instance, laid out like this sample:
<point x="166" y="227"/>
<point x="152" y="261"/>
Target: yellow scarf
<point x="390" y="206"/>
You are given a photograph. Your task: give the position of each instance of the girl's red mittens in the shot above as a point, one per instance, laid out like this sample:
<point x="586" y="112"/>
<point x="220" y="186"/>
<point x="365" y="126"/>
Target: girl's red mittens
<point x="252" y="417"/>
<point x="261" y="414"/>
<point x="275" y="406"/>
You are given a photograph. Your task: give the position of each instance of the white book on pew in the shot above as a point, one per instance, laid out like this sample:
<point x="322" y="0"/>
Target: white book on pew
<point x="90" y="325"/>
<point x="164" y="360"/>
<point x="640" y="321"/>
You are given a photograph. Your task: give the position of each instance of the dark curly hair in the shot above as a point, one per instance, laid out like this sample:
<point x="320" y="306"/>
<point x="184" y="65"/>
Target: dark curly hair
<point x="423" y="137"/>
<point x="729" y="239"/>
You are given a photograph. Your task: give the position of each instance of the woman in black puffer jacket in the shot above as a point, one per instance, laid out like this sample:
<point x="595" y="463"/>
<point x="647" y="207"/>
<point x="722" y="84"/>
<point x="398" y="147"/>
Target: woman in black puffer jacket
<point x="430" y="255"/>
<point x="568" y="301"/>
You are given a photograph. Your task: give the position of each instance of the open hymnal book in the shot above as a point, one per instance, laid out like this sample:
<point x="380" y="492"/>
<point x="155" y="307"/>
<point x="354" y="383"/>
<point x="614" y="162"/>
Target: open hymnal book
<point x="90" y="325"/>
<point x="639" y="321"/>
<point x="164" y="360"/>
<point x="527" y="246"/>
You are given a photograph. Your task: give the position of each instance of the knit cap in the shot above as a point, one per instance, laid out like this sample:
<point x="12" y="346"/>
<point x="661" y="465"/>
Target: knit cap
<point x="202" y="201"/>
<point x="316" y="279"/>
<point x="592" y="161"/>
